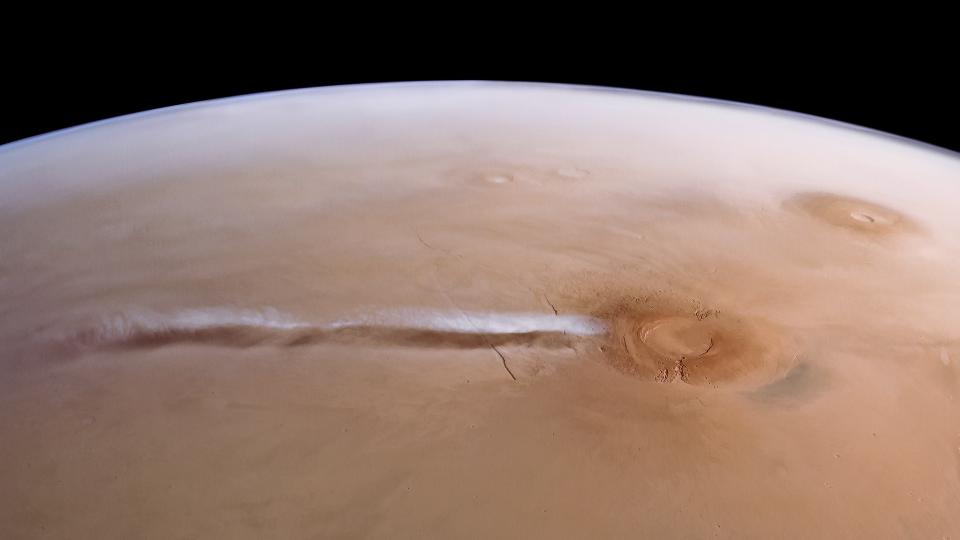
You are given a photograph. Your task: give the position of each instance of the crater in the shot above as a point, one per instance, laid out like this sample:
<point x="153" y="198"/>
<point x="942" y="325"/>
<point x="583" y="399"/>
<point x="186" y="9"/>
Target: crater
<point x="498" y="178"/>
<point x="486" y="176"/>
<point x="703" y="348"/>
<point x="678" y="337"/>
<point x="573" y="172"/>
<point x="502" y="174"/>
<point x="857" y="215"/>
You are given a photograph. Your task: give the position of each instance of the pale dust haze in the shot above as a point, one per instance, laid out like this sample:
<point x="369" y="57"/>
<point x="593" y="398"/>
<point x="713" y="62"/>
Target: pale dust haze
<point x="478" y="310"/>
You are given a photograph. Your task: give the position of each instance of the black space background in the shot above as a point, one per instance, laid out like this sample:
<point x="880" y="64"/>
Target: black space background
<point x="896" y="94"/>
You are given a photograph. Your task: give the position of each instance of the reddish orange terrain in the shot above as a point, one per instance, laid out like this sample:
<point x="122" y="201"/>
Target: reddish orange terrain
<point x="478" y="310"/>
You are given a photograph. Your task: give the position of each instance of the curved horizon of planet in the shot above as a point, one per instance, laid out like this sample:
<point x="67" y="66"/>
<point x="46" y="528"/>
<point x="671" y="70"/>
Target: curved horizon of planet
<point x="478" y="309"/>
<point x="584" y="87"/>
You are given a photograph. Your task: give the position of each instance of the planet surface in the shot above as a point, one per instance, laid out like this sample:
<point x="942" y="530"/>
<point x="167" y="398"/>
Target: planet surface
<point x="478" y="310"/>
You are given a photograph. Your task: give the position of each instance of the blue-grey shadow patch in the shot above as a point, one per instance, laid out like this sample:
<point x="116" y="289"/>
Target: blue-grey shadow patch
<point x="801" y="384"/>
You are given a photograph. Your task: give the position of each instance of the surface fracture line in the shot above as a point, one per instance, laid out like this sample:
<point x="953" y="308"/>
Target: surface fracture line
<point x="503" y="359"/>
<point x="553" y="307"/>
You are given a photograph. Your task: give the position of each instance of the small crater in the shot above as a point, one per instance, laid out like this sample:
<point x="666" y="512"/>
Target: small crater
<point x="861" y="216"/>
<point x="498" y="178"/>
<point x="519" y="174"/>
<point x="488" y="176"/>
<point x="573" y="172"/>
<point x="857" y="215"/>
